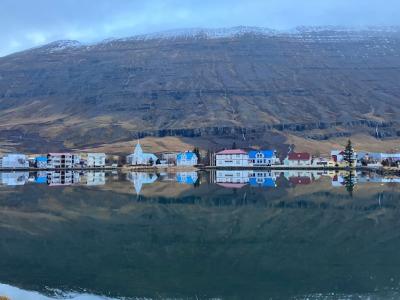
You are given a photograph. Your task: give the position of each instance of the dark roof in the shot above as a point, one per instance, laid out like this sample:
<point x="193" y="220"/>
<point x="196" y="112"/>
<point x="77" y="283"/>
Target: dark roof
<point x="299" y="156"/>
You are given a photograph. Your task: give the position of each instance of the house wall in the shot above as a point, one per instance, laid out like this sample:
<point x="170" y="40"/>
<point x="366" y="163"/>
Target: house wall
<point x="96" y="160"/>
<point x="14" y="161"/>
<point x="297" y="163"/>
<point x="231" y="160"/>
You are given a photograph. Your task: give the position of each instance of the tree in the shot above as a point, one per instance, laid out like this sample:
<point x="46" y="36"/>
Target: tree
<point x="151" y="161"/>
<point x="234" y="145"/>
<point x="348" y="155"/>
<point x="349" y="183"/>
<point x="196" y="151"/>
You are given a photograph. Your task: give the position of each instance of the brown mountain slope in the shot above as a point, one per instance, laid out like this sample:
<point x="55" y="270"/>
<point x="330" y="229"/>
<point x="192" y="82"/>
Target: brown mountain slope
<point x="317" y="85"/>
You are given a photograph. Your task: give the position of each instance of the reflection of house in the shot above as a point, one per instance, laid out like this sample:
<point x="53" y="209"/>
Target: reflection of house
<point x="297" y="159"/>
<point x="95" y="160"/>
<point x="232" y="158"/>
<point x="262" y="158"/>
<point x="233" y="176"/>
<point x="187" y="158"/>
<point x="95" y="178"/>
<point x="141" y="178"/>
<point x="138" y="157"/>
<point x="264" y="179"/>
<point x="14" y="161"/>
<point x="14" y="178"/>
<point x="41" y="177"/>
<point x="186" y="177"/>
<point x="55" y="178"/>
<point x="62" y="160"/>
<point x="299" y="180"/>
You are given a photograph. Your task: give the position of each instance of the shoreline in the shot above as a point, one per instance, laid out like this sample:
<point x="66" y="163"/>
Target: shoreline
<point x="174" y="169"/>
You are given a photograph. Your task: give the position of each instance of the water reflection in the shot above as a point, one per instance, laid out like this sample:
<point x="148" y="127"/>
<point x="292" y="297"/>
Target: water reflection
<point x="223" y="235"/>
<point x="231" y="179"/>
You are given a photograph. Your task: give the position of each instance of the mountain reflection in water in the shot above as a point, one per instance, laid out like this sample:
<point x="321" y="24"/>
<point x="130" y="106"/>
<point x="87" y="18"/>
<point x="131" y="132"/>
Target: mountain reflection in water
<point x="224" y="234"/>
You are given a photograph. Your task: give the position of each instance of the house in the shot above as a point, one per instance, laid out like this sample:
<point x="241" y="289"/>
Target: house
<point x="14" y="161"/>
<point x="41" y="162"/>
<point x="295" y="159"/>
<point x="232" y="158"/>
<point x="138" y="157"/>
<point x="96" y="160"/>
<point x="187" y="158"/>
<point x="262" y="158"/>
<point x="337" y="156"/>
<point x="169" y="157"/>
<point x="61" y="160"/>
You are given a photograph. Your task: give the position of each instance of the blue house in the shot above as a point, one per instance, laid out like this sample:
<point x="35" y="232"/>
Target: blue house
<point x="187" y="158"/>
<point x="262" y="158"/>
<point x="41" y="162"/>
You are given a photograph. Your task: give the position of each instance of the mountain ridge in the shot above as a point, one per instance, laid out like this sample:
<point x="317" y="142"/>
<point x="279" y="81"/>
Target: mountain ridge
<point x="78" y="96"/>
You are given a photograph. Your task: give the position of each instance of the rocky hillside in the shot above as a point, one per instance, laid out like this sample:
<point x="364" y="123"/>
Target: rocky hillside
<point x="245" y="83"/>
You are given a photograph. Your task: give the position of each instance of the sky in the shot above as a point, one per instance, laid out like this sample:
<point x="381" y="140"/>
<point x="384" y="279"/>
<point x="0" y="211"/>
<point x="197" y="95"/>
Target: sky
<point x="30" y="23"/>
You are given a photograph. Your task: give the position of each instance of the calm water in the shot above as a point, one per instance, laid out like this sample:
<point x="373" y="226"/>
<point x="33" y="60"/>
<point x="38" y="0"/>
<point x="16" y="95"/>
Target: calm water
<point x="220" y="235"/>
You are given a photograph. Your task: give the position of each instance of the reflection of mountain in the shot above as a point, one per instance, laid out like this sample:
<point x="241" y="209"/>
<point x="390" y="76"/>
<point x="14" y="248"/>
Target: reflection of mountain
<point x="287" y="245"/>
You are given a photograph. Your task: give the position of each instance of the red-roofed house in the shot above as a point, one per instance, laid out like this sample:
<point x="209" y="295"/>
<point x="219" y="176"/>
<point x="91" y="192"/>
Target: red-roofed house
<point x="232" y="158"/>
<point x="295" y="159"/>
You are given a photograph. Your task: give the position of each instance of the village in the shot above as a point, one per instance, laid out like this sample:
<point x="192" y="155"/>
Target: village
<point x="193" y="159"/>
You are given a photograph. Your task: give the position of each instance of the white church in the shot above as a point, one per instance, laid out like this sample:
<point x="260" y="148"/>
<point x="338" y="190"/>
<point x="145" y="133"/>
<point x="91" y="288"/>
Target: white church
<point x="138" y="157"/>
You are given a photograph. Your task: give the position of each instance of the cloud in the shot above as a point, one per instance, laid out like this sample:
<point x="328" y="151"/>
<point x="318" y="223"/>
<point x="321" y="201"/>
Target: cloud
<point x="27" y="23"/>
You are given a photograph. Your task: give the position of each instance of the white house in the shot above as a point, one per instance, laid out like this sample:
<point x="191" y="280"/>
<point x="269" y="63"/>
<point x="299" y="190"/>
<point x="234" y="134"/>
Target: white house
<point x="95" y="160"/>
<point x="61" y="160"/>
<point x="187" y="158"/>
<point x="298" y="159"/>
<point x="338" y="156"/>
<point x="232" y="158"/>
<point x="262" y="158"/>
<point x="14" y="161"/>
<point x="138" y="157"/>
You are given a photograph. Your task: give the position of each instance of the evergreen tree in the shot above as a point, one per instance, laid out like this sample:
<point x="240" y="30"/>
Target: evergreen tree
<point x="348" y="155"/>
<point x="196" y="151"/>
<point x="234" y="145"/>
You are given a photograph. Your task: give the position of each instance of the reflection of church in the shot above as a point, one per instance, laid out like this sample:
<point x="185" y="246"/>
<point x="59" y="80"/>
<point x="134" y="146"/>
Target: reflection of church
<point x="139" y="179"/>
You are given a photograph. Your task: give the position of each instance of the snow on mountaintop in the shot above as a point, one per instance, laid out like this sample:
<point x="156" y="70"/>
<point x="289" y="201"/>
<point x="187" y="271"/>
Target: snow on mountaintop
<point x="305" y="34"/>
<point x="205" y="33"/>
<point x="62" y="45"/>
<point x="298" y="32"/>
